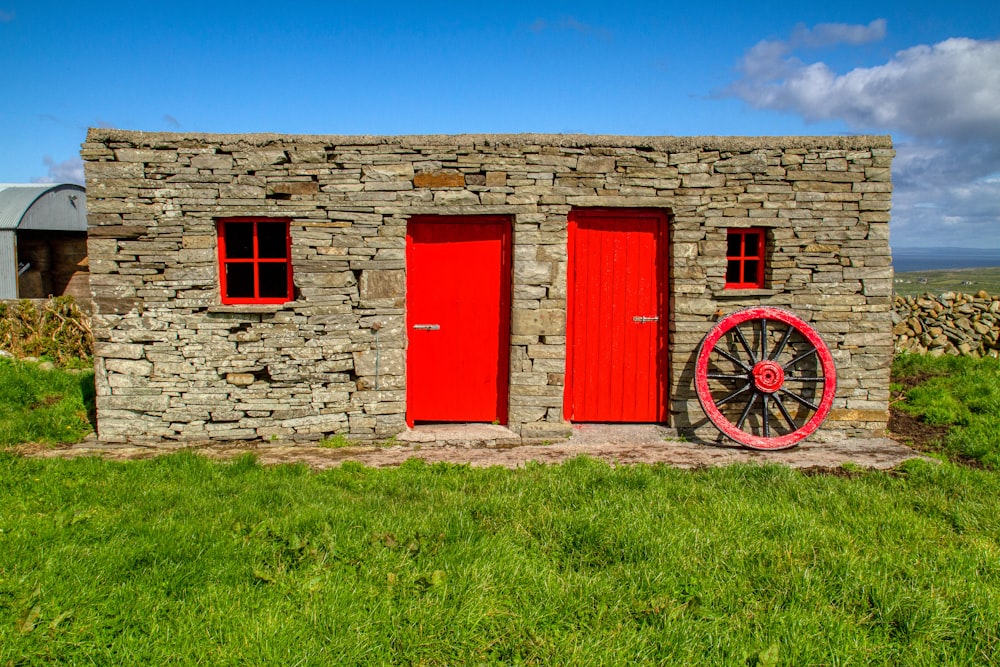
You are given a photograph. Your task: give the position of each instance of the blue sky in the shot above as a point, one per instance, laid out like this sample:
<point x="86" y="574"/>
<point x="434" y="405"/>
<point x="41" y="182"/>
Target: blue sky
<point x="926" y="72"/>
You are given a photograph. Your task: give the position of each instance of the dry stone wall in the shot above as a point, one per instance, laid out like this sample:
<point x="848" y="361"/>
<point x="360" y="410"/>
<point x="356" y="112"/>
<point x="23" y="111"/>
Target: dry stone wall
<point x="952" y="323"/>
<point x="174" y="363"/>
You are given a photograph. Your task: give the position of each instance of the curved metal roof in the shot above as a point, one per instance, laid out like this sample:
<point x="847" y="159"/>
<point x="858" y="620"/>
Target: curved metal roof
<point x="17" y="200"/>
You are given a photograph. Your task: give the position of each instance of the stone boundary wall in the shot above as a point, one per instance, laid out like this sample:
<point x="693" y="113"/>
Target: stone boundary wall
<point x="951" y="323"/>
<point x="173" y="363"/>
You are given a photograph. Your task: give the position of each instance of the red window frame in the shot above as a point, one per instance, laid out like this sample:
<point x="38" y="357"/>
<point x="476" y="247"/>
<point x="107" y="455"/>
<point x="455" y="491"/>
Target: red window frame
<point x="256" y="261"/>
<point x="748" y="277"/>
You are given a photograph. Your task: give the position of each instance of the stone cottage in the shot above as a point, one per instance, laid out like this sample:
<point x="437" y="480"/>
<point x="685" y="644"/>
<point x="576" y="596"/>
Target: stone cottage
<point x="274" y="286"/>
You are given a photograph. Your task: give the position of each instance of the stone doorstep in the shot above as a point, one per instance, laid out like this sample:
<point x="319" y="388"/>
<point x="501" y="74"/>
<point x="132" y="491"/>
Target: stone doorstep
<point x="494" y="435"/>
<point x="469" y="435"/>
<point x="637" y="434"/>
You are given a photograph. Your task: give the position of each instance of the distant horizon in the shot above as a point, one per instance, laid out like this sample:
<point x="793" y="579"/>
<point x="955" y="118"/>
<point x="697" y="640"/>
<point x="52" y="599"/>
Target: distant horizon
<point x="943" y="258"/>
<point x="921" y="248"/>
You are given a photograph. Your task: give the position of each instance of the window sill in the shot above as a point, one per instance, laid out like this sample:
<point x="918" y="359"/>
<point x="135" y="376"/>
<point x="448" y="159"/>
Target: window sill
<point x="249" y="308"/>
<point x="750" y="293"/>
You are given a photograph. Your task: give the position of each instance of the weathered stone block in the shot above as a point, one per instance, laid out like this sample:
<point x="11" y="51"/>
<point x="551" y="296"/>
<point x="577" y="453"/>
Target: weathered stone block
<point x="402" y="171"/>
<point x="595" y="164"/>
<point x="212" y="162"/>
<point x="538" y="322"/>
<point x="496" y="179"/>
<point x="293" y="188"/>
<point x="388" y="362"/>
<point x="753" y="163"/>
<point x="439" y="179"/>
<point x="382" y="284"/>
<point x="456" y="198"/>
<point x="532" y="273"/>
<point x="135" y="403"/>
<point x="240" y="379"/>
<point x="136" y="367"/>
<point x="120" y="350"/>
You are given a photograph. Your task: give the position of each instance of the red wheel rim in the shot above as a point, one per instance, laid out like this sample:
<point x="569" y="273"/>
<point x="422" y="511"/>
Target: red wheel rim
<point x="768" y="390"/>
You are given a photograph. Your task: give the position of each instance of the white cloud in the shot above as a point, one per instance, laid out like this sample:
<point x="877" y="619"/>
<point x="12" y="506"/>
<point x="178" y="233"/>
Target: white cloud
<point x="67" y="171"/>
<point x="949" y="90"/>
<point x="941" y="101"/>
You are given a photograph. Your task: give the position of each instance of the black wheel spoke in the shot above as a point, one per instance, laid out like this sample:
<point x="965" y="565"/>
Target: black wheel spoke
<point x="804" y="355"/>
<point x="746" y="345"/>
<point x="726" y="376"/>
<point x="784" y="413"/>
<point x="733" y="359"/>
<point x="733" y="395"/>
<point x="746" y="410"/>
<point x="800" y="399"/>
<point x="783" y="342"/>
<point x="804" y="378"/>
<point x="763" y="338"/>
<point x="764" y="416"/>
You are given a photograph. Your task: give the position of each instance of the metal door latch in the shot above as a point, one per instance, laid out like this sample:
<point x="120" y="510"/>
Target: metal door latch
<point x="427" y="327"/>
<point x="641" y="318"/>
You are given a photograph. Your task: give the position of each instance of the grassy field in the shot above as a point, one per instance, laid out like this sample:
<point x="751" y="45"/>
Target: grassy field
<point x="960" y="396"/>
<point x="184" y="561"/>
<point x="44" y="404"/>
<point x="938" y="282"/>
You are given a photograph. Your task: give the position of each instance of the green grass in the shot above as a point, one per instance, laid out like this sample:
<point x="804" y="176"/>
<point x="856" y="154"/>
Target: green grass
<point x="959" y="392"/>
<point x="180" y="560"/>
<point x="185" y="561"/>
<point x="49" y="406"/>
<point x="336" y="441"/>
<point x="339" y="441"/>
<point x="950" y="280"/>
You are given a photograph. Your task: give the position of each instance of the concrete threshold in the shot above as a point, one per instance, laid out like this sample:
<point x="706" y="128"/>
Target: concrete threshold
<point x="460" y="435"/>
<point x="483" y="445"/>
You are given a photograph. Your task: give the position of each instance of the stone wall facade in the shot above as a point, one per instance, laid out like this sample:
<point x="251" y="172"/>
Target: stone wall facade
<point x="174" y="363"/>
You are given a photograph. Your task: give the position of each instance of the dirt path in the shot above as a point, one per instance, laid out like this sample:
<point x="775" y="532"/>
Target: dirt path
<point x="615" y="444"/>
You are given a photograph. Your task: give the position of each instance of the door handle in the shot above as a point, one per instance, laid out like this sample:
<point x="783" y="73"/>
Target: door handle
<point x="427" y="327"/>
<point x="641" y="318"/>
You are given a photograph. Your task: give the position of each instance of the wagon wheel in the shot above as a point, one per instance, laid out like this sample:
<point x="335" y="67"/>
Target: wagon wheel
<point x="765" y="378"/>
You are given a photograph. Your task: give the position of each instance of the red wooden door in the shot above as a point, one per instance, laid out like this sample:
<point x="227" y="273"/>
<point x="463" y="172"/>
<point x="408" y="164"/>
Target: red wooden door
<point x="616" y="355"/>
<point x="457" y="318"/>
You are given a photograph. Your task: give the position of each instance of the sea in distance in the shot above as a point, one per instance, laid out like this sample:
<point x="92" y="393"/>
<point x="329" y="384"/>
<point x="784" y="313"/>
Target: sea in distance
<point x="905" y="260"/>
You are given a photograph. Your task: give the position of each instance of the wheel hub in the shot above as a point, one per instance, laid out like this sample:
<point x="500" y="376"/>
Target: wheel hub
<point x="768" y="376"/>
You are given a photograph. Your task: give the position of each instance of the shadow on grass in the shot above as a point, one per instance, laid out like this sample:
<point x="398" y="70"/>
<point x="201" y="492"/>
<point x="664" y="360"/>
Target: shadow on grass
<point x="88" y="391"/>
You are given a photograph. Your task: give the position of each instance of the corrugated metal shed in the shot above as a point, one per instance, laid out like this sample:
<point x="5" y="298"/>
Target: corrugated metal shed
<point x="8" y="264"/>
<point x="56" y="206"/>
<point x="35" y="206"/>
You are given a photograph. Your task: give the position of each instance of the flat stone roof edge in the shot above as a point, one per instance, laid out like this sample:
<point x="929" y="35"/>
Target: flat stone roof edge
<point x="670" y="143"/>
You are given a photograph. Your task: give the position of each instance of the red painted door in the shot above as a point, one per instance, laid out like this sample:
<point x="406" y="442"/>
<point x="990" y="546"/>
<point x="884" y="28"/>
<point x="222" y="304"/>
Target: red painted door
<point x="457" y="318"/>
<point x="616" y="355"/>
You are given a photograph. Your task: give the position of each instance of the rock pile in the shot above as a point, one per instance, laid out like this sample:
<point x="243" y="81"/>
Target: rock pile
<point x="952" y="323"/>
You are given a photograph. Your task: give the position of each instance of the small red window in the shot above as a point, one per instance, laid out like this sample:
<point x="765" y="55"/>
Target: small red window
<point x="254" y="260"/>
<point x="745" y="259"/>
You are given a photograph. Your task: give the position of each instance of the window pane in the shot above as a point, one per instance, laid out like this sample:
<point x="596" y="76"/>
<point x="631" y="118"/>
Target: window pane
<point x="239" y="280"/>
<point x="733" y="271"/>
<point x="273" y="280"/>
<point x="752" y="248"/>
<point x="239" y="240"/>
<point x="750" y="268"/>
<point x="272" y="239"/>
<point x="733" y="244"/>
